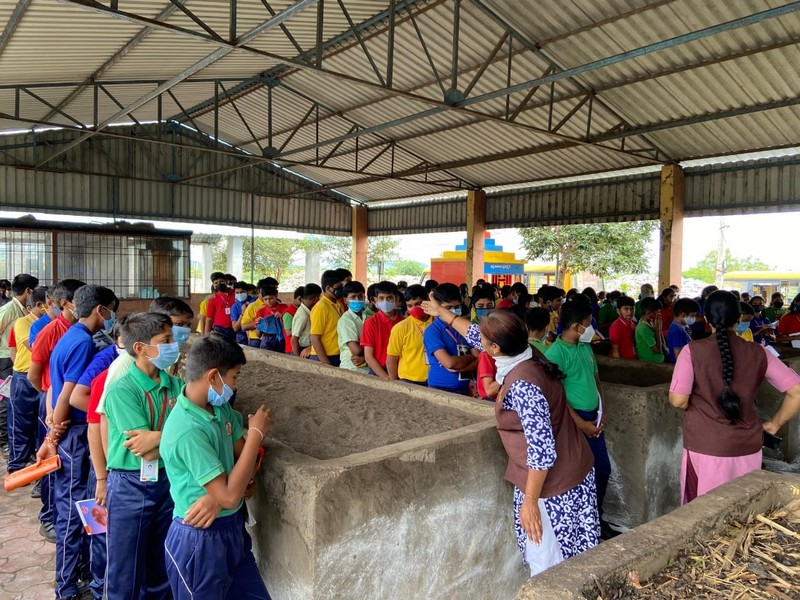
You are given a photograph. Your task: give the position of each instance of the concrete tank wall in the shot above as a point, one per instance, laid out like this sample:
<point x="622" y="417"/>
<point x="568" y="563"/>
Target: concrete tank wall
<point x="426" y="518"/>
<point x="768" y="401"/>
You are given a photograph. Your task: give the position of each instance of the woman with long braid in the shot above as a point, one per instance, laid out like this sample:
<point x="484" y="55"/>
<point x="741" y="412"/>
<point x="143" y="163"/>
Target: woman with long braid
<point x="716" y="381"/>
<point x="549" y="461"/>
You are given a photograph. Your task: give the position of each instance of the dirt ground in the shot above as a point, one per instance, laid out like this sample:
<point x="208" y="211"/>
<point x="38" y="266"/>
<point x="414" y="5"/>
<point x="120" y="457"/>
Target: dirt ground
<point x="327" y="417"/>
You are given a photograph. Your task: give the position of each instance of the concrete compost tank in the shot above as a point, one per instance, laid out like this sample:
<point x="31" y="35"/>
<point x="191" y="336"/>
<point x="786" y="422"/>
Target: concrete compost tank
<point x="376" y="490"/>
<point x="769" y="399"/>
<point x="649" y="548"/>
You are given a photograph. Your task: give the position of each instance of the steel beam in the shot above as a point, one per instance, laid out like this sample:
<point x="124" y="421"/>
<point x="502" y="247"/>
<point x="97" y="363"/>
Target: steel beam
<point x="13" y="22"/>
<point x="195" y="68"/>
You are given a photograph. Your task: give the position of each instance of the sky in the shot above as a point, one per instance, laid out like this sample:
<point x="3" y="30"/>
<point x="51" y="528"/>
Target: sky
<point x="767" y="237"/>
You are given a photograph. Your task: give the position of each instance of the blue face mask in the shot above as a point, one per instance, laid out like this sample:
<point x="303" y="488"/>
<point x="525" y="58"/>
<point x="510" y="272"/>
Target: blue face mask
<point x="109" y="323"/>
<point x="180" y="334"/>
<point x="356" y="305"/>
<point x="482" y="312"/>
<point x="217" y="399"/>
<point x="241" y="297"/>
<point x="456" y="310"/>
<point x="56" y="310"/>
<point x="167" y="355"/>
<point x="742" y="327"/>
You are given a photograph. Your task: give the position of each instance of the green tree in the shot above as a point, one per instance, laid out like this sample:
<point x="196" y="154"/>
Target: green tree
<point x="603" y="249"/>
<point x="334" y="251"/>
<point x="405" y="267"/>
<point x="381" y="250"/>
<point x="219" y="256"/>
<point x="706" y="269"/>
<point x="273" y="256"/>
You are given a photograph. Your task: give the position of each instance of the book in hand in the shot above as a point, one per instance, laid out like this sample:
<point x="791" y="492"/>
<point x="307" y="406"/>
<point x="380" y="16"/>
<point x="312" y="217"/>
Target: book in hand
<point x="5" y="387"/>
<point x="93" y="516"/>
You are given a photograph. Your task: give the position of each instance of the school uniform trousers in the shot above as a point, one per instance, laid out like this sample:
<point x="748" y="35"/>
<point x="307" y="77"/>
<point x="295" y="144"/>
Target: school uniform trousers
<point x="602" y="463"/>
<point x="46" y="514"/>
<point x="6" y="365"/>
<point x="23" y="411"/>
<point x="139" y="515"/>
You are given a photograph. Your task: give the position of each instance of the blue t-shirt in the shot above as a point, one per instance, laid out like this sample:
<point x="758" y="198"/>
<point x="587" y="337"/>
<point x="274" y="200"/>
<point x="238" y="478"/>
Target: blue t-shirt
<point x="699" y="329"/>
<point x="237" y="309"/>
<point x="70" y="358"/>
<point x="101" y="361"/>
<point x="439" y="336"/>
<point x="757" y="323"/>
<point x="677" y="338"/>
<point x="37" y="326"/>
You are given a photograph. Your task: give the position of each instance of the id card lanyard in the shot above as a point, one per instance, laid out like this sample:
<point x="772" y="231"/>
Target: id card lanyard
<point x="148" y="469"/>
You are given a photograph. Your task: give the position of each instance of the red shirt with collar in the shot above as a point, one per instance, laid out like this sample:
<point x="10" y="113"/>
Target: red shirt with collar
<point x="376" y="334"/>
<point x="219" y="309"/>
<point x="45" y="342"/>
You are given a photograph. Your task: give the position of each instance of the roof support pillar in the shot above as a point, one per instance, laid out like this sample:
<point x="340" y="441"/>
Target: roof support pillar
<point x="476" y="235"/>
<point x="673" y="193"/>
<point x="360" y="244"/>
<point x="235" y="258"/>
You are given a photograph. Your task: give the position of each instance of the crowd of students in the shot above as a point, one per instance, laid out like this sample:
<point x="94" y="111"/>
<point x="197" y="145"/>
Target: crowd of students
<point x="144" y="431"/>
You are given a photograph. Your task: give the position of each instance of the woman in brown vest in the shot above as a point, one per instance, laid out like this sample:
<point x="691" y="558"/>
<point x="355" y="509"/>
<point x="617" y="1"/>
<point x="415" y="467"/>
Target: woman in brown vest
<point x="549" y="460"/>
<point x="716" y="381"/>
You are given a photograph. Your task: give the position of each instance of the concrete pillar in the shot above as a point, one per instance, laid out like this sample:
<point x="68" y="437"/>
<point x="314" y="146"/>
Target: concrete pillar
<point x="313" y="273"/>
<point x="673" y="192"/>
<point x="360" y="235"/>
<point x="235" y="256"/>
<point x="208" y="261"/>
<point x="476" y="235"/>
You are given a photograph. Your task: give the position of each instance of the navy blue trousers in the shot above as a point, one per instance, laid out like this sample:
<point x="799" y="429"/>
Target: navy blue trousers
<point x="70" y="484"/>
<point x="97" y="550"/>
<point x="602" y="464"/>
<point x="214" y="563"/>
<point x="23" y="412"/>
<point x="46" y="514"/>
<point x="139" y="515"/>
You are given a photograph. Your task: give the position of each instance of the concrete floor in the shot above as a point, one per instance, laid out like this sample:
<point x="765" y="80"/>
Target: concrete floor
<point x="27" y="562"/>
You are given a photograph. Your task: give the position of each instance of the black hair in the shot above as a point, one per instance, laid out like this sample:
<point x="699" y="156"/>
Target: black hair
<point x="613" y="295"/>
<point x="371" y="292"/>
<point x="310" y="290"/>
<point x="650" y="304"/>
<point x="116" y="330"/>
<point x="447" y="292"/>
<point x="736" y="294"/>
<point x="582" y="299"/>
<point x="268" y="290"/>
<point x="505" y="291"/>
<point x="354" y="287"/>
<point x="625" y="301"/>
<point x="591" y="294"/>
<point x="776" y="296"/>
<point x="519" y="288"/>
<point x="213" y="351"/>
<point x="510" y="333"/>
<point x="142" y="327"/>
<point x="271" y="281"/>
<point x="574" y="312"/>
<point x="330" y="278"/>
<point x="23" y="282"/>
<point x="537" y="318"/>
<point x="170" y="306"/>
<point x="65" y="290"/>
<point x="38" y="295"/>
<point x="387" y="287"/>
<point x="483" y="292"/>
<point x="89" y="297"/>
<point x="298" y="293"/>
<point x="572" y="293"/>
<point x="217" y="275"/>
<point x="343" y="273"/>
<point x="550" y="293"/>
<point x="707" y="291"/>
<point x="415" y="292"/>
<point x="746" y="309"/>
<point x="431" y="285"/>
<point x="402" y="285"/>
<point x="240" y="285"/>
<point x="754" y="298"/>
<point x="723" y="311"/>
<point x="5" y="284"/>
<point x="684" y="306"/>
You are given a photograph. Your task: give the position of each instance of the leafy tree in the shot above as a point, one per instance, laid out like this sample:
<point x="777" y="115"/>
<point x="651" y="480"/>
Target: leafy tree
<point x="273" y="256"/>
<point x="405" y="267"/>
<point x="219" y="256"/>
<point x="381" y="250"/>
<point x="706" y="269"/>
<point x="334" y="251"/>
<point x="603" y="249"/>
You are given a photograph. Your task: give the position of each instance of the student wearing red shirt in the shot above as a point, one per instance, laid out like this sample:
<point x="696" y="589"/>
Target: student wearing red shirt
<point x="667" y="299"/>
<point x="623" y="331"/>
<point x="789" y="325"/>
<point x="375" y="335"/>
<point x="488" y="388"/>
<point x="218" y="312"/>
<point x="288" y="316"/>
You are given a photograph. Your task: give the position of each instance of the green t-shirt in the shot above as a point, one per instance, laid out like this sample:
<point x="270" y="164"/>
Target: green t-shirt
<point x="645" y="340"/>
<point x="607" y="314"/>
<point x="136" y="402"/>
<point x="196" y="448"/>
<point x="349" y="329"/>
<point x="539" y="346"/>
<point x="774" y="314"/>
<point x="287" y="321"/>
<point x="637" y="310"/>
<point x="577" y="362"/>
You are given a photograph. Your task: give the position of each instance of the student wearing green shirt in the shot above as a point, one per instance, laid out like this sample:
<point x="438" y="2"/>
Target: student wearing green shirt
<point x="138" y="500"/>
<point x="649" y="334"/>
<point x="573" y="355"/>
<point x="349" y="328"/>
<point x="207" y="455"/>
<point x="538" y="321"/>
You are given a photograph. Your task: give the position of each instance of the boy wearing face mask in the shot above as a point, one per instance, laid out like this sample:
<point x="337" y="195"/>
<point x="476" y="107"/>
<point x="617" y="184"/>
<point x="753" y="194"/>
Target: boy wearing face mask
<point x="378" y="328"/>
<point x="242" y="300"/>
<point x="182" y="317"/>
<point x="760" y="324"/>
<point x="621" y="334"/>
<point x="139" y="504"/>
<point x="483" y="300"/>
<point x="207" y="455"/>
<point x="775" y="310"/>
<point x="324" y="318"/>
<point x="219" y="311"/>
<point x="743" y="326"/>
<point x="649" y="338"/>
<point x="405" y="354"/>
<point x="350" y="327"/>
<point x="573" y="355"/>
<point x="684" y="313"/>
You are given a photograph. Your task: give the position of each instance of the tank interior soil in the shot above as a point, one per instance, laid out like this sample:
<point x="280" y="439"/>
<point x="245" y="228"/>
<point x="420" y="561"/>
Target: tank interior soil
<point x="327" y="417"/>
<point x="637" y="378"/>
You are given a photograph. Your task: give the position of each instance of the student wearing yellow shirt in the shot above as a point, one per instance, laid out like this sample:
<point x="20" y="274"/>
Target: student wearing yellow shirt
<point x="217" y="277"/>
<point x="23" y="409"/>
<point x="405" y="357"/>
<point x="743" y="328"/>
<point x="267" y="297"/>
<point x="325" y="318"/>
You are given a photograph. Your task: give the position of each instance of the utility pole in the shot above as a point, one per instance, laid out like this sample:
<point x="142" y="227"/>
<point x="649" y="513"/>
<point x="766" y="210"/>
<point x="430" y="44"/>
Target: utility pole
<point x="721" y="266"/>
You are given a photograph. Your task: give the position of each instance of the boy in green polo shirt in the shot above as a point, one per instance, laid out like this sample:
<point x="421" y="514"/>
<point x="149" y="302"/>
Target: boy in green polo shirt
<point x="648" y="334"/>
<point x="139" y="503"/>
<point x="206" y="454"/>
<point x="573" y="354"/>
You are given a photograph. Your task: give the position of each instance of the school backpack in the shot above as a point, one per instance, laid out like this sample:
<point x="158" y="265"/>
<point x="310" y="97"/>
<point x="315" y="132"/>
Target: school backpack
<point x="272" y="336"/>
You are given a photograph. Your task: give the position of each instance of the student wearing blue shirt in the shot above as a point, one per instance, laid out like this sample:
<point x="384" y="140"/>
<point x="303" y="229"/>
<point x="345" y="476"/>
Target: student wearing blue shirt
<point x="237" y="310"/>
<point x="52" y="312"/>
<point x="684" y="315"/>
<point x="760" y="324"/>
<point x="95" y="309"/>
<point x="446" y="350"/>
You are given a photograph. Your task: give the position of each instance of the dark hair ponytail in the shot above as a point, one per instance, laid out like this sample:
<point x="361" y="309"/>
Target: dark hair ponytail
<point x="550" y="368"/>
<point x="723" y="311"/>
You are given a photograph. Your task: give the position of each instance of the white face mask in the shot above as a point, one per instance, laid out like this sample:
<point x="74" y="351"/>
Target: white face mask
<point x="587" y="335"/>
<point x="690" y="321"/>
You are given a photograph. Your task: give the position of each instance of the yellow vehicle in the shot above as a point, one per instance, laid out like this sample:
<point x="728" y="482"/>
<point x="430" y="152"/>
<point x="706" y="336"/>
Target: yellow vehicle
<point x="763" y="283"/>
